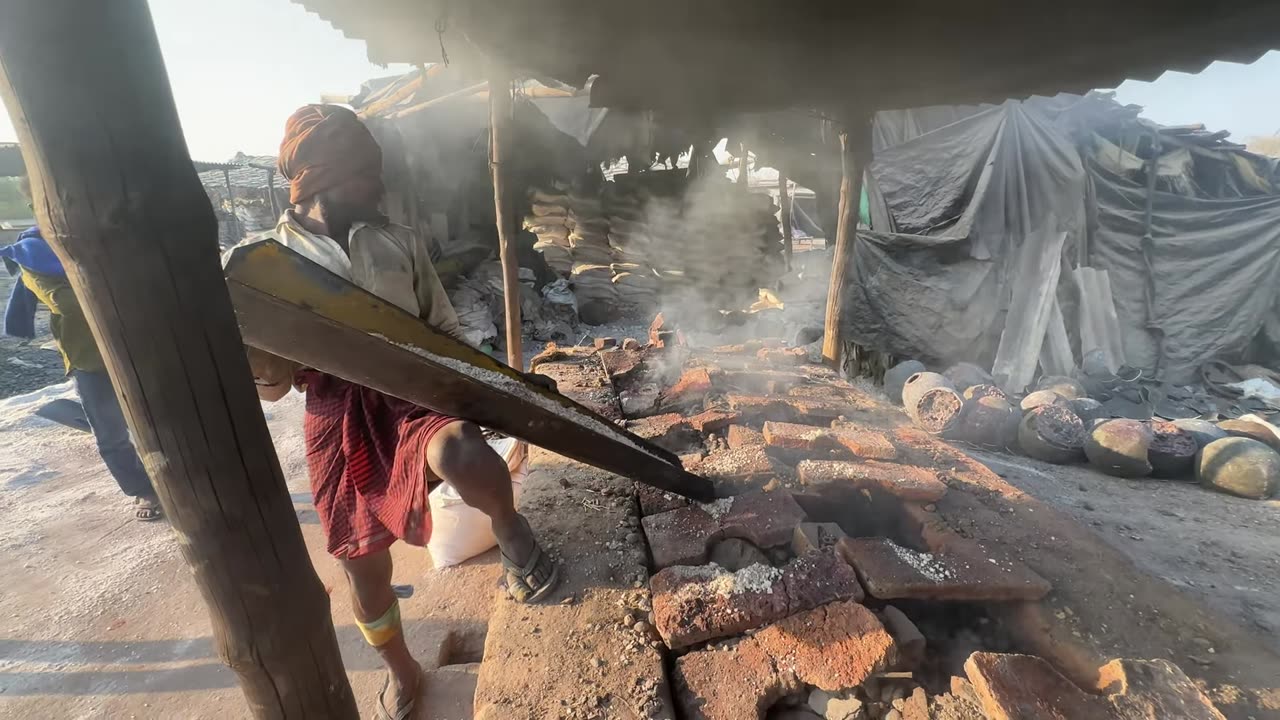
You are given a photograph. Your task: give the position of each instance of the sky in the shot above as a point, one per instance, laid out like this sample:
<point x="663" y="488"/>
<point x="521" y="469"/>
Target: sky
<point x="240" y="67"/>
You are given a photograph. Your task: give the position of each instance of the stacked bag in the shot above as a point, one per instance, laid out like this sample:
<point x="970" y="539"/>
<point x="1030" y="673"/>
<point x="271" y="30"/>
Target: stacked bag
<point x="549" y="221"/>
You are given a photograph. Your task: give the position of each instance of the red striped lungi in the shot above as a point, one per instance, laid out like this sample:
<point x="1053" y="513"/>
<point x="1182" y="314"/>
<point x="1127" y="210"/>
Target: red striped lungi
<point x="367" y="458"/>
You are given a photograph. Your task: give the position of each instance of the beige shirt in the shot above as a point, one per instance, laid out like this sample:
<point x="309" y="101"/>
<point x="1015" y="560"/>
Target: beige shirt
<point x="388" y="260"/>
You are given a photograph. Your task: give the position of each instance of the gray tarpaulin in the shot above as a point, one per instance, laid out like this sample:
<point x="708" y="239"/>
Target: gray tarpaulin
<point x="954" y="212"/>
<point x="1215" y="271"/>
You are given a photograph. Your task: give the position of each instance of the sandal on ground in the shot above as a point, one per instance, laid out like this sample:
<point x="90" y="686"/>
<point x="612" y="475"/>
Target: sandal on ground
<point x="405" y="711"/>
<point x="147" y="509"/>
<point x="523" y="580"/>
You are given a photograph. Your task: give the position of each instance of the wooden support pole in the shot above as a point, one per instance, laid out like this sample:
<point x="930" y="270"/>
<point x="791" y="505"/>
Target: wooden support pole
<point x="855" y="155"/>
<point x="784" y="215"/>
<point x="118" y="199"/>
<point x="500" y="117"/>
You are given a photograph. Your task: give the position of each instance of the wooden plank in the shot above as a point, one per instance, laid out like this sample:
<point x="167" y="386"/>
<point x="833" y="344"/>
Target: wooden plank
<point x="119" y="200"/>
<point x="500" y="116"/>
<point x="1056" y="357"/>
<point x="784" y="215"/>
<point x="1035" y="286"/>
<point x="292" y="307"/>
<point x="855" y="155"/>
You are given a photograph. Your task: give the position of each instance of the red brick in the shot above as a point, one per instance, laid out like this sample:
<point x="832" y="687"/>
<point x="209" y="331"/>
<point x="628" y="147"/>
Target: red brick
<point x="1139" y="689"/>
<point x="759" y="408"/>
<point x="815" y="536"/>
<point x="744" y="463"/>
<point x="695" y="604"/>
<point x="861" y="442"/>
<point x="682" y="536"/>
<point x="605" y="343"/>
<point x="743" y="436"/>
<point x="631" y="344"/>
<point x="908" y="482"/>
<point x="889" y="571"/>
<point x="791" y="436"/>
<point x="768" y="382"/>
<point x="1025" y="687"/>
<point x="782" y="356"/>
<point x="654" y="501"/>
<point x="688" y="392"/>
<point x="833" y="647"/>
<point x="669" y="431"/>
<point x="710" y="421"/>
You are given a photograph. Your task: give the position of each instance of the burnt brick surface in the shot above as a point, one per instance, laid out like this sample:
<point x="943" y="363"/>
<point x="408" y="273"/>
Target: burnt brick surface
<point x="694" y="604"/>
<point x="909" y="482"/>
<point x="654" y="501"/>
<point x="682" y="536"/>
<point x="832" y="647"/>
<point x="710" y="421"/>
<point x="889" y="571"/>
<point x="858" y="441"/>
<point x="669" y="431"/>
<point x="742" y="436"/>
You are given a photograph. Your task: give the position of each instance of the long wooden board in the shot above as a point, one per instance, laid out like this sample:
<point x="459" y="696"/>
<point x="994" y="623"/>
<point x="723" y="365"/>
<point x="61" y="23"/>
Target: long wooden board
<point x="293" y="308"/>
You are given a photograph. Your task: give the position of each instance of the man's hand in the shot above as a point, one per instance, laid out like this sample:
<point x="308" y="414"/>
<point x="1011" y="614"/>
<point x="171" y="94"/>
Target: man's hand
<point x="273" y="375"/>
<point x="541" y="381"/>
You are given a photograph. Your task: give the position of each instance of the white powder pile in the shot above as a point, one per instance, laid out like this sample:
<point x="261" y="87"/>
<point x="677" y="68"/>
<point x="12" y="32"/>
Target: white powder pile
<point x="716" y="580"/>
<point x="718" y="508"/>
<point x="933" y="568"/>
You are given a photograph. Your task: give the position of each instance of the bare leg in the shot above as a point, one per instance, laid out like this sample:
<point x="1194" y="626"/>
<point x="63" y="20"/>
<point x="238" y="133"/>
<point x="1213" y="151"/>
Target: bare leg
<point x="459" y="455"/>
<point x="371" y="598"/>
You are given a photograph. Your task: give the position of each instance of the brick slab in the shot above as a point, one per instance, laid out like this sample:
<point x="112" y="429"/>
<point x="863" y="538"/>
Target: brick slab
<point x="832" y="647"/>
<point x="689" y="391"/>
<point x="909" y="482"/>
<point x="711" y="421"/>
<point x="1139" y="689"/>
<point x="695" y="604"/>
<point x="744" y="463"/>
<point x="1025" y="687"/>
<point x="682" y="536"/>
<point x="654" y="501"/>
<point x="889" y="571"/>
<point x="859" y="441"/>
<point x="759" y="408"/>
<point x="743" y="436"/>
<point x="669" y="431"/>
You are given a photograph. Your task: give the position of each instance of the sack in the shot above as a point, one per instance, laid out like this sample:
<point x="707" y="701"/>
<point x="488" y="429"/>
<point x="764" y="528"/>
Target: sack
<point x="460" y="532"/>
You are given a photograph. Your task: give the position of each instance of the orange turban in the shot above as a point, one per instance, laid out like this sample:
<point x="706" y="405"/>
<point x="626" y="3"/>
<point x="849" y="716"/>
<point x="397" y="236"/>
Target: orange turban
<point x="323" y="146"/>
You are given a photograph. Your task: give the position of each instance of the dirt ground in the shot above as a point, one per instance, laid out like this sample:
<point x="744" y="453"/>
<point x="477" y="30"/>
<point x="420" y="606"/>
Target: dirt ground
<point x="1221" y="549"/>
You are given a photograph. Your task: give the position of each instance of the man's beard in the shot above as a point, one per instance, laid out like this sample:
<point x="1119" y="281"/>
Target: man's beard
<point x="345" y="214"/>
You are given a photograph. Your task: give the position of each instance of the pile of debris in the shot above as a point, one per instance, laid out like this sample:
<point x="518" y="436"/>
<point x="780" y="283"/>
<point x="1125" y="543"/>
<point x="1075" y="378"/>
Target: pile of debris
<point x="1104" y="418"/>
<point x="547" y="315"/>
<point x="822" y="583"/>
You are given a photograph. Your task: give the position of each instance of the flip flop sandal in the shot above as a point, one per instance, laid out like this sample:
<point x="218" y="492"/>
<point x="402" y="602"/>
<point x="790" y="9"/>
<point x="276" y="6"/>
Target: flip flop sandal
<point x="147" y="510"/>
<point x="404" y="711"/>
<point x="522" y="581"/>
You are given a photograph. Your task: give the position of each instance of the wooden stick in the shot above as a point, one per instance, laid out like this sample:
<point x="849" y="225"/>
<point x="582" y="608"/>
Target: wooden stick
<point x="855" y="154"/>
<point x="744" y="172"/>
<point x="121" y="204"/>
<point x="784" y="203"/>
<point x="500" y="115"/>
<point x="438" y="101"/>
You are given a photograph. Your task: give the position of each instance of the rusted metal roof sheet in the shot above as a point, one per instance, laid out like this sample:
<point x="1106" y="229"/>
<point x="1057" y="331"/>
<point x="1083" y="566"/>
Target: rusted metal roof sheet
<point x="727" y="54"/>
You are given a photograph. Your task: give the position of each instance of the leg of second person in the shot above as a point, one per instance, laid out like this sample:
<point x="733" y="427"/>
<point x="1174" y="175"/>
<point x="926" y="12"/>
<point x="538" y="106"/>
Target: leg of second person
<point x="377" y="612"/>
<point x="111" y="433"/>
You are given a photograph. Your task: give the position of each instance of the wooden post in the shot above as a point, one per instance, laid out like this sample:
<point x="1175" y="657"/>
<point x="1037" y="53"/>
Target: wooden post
<point x="231" y="202"/>
<point x="744" y="172"/>
<point x="855" y="154"/>
<point x="784" y="214"/>
<point x="500" y="117"/>
<point x="120" y="202"/>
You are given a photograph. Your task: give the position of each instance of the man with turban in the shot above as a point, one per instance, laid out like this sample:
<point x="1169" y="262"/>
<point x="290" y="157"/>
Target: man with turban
<point x="370" y="456"/>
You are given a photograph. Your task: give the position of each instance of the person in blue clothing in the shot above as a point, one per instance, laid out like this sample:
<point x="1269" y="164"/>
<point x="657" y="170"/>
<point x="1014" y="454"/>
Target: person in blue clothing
<point x="44" y="280"/>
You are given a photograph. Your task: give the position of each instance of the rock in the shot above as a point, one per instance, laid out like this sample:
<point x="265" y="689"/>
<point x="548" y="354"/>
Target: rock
<point x="896" y="376"/>
<point x="1251" y="429"/>
<point x="965" y="375"/>
<point x="835" y="707"/>
<point x="1052" y="433"/>
<point x="1040" y="398"/>
<point x="734" y="554"/>
<point x="640" y="401"/>
<point x="1064" y="386"/>
<point x="976" y="392"/>
<point x="1202" y="431"/>
<point x="1120" y="448"/>
<point x="1088" y="410"/>
<point x="1239" y="466"/>
<point x="1173" y="451"/>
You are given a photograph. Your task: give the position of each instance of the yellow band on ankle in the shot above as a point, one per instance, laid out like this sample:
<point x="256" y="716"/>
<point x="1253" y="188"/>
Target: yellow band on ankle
<point x="383" y="630"/>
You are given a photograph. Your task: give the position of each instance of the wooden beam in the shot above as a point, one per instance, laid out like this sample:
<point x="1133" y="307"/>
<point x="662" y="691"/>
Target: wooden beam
<point x="438" y="101"/>
<point x="120" y="202"/>
<point x="784" y="215"/>
<point x="292" y="307"/>
<point x="500" y="116"/>
<point x="855" y="155"/>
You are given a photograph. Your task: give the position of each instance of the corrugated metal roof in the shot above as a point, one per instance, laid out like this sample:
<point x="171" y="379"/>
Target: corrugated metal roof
<point x="246" y="171"/>
<point x="736" y="54"/>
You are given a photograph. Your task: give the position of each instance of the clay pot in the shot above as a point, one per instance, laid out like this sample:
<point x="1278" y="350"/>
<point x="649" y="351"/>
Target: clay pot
<point x="1239" y="466"/>
<point x="1250" y="429"/>
<point x="1064" y="386"/>
<point x="985" y="422"/>
<point x="976" y="392"/>
<point x="896" y="376"/>
<point x="918" y="384"/>
<point x="1052" y="433"/>
<point x="1202" y="431"/>
<point x="1087" y="409"/>
<point x="965" y="375"/>
<point x="1041" y="398"/>
<point x="1173" y="451"/>
<point x="1120" y="448"/>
